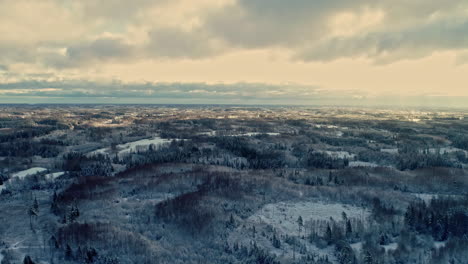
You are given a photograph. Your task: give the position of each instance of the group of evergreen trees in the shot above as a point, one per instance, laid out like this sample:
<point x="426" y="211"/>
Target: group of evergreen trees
<point x="441" y="218"/>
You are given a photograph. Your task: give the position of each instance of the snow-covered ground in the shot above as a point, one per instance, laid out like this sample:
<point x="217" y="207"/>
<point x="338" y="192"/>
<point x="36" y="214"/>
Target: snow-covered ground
<point x="444" y="150"/>
<point x="143" y="144"/>
<point x="251" y="134"/>
<point x="283" y="215"/>
<point x="391" y="246"/>
<point x="390" y="150"/>
<point x="439" y="244"/>
<point x="53" y="176"/>
<point x="31" y="172"/>
<point x="427" y="197"/>
<point x="362" y="164"/>
<point x="28" y="172"/>
<point x="339" y="154"/>
<point x="248" y="134"/>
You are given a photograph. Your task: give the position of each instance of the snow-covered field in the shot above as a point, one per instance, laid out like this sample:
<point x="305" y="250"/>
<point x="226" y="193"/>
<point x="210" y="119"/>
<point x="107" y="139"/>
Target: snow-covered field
<point x="390" y="150"/>
<point x="143" y="144"/>
<point x="251" y="134"/>
<point x="248" y="134"/>
<point x="283" y="215"/>
<point x="28" y="172"/>
<point x="362" y="164"/>
<point x="53" y="176"/>
<point x="427" y="197"/>
<point x="339" y="154"/>
<point x="445" y="150"/>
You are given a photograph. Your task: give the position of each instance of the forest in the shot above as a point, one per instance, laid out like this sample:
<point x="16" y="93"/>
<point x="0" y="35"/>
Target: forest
<point x="222" y="184"/>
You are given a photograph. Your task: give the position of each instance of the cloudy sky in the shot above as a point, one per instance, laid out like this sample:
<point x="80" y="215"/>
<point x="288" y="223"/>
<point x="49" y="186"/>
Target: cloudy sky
<point x="233" y="51"/>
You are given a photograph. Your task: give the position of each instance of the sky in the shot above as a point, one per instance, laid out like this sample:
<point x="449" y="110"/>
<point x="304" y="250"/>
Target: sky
<point x="383" y="52"/>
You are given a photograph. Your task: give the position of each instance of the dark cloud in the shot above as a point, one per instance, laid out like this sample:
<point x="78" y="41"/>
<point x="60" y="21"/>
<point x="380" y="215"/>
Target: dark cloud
<point x="414" y="42"/>
<point x="410" y="29"/>
<point x="301" y="24"/>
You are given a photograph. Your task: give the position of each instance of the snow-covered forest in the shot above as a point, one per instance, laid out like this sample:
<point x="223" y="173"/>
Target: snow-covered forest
<point x="232" y="184"/>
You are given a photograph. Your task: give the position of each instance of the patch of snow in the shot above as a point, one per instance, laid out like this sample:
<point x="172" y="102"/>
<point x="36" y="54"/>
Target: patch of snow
<point x="339" y="154"/>
<point x="28" y="172"/>
<point x="283" y="215"/>
<point x="362" y="164"/>
<point x="391" y="246"/>
<point x="251" y="134"/>
<point x="444" y="150"/>
<point x="357" y="247"/>
<point x="439" y="244"/>
<point x="143" y="145"/>
<point x="282" y="218"/>
<point x="208" y="133"/>
<point x="390" y="150"/>
<point x="427" y="197"/>
<point x="55" y="175"/>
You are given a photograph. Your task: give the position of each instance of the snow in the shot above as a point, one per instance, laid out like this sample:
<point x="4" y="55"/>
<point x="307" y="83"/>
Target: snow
<point x="357" y="247"/>
<point x="427" y="197"/>
<point x="390" y="150"/>
<point x="439" y="244"/>
<point x="28" y="172"/>
<point x="55" y="175"/>
<point x="251" y="134"/>
<point x="362" y="164"/>
<point x="339" y="154"/>
<point x="283" y="215"/>
<point x="23" y="174"/>
<point x="248" y="134"/>
<point x="444" y="150"/>
<point x="391" y="246"/>
<point x="208" y="133"/>
<point x="143" y="144"/>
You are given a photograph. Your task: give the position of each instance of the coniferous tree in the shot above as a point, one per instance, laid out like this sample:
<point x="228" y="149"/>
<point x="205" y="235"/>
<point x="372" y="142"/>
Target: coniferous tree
<point x="28" y="260"/>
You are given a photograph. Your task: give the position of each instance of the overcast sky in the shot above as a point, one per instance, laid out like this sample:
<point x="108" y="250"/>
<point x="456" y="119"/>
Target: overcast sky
<point x="232" y="51"/>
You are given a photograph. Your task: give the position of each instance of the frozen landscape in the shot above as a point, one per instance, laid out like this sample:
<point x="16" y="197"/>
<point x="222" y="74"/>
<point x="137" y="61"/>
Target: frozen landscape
<point x="186" y="185"/>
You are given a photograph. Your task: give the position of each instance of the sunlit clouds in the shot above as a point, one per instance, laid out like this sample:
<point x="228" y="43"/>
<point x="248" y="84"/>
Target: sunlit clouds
<point x="372" y="48"/>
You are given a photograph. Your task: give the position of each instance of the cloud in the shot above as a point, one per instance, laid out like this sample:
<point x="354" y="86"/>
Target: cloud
<point x="202" y="93"/>
<point x="82" y="54"/>
<point x="176" y="43"/>
<point x="406" y="30"/>
<point x="414" y="42"/>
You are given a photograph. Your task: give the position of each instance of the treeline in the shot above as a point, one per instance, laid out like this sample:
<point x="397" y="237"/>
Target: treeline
<point x="82" y="165"/>
<point x="26" y="133"/>
<point x="441" y="218"/>
<point x="412" y="160"/>
<point x="28" y="148"/>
